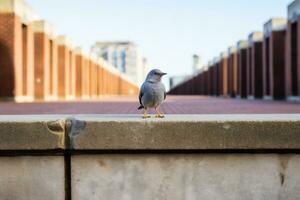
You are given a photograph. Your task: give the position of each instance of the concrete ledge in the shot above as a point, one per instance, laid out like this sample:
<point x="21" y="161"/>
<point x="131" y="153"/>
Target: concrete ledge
<point x="42" y="26"/>
<point x="274" y="24"/>
<point x="232" y="50"/>
<point x="188" y="132"/>
<point x="131" y="132"/>
<point x="256" y="36"/>
<point x="63" y="40"/>
<point x="156" y="175"/>
<point x="32" y="132"/>
<point x="242" y="44"/>
<point x="293" y="10"/>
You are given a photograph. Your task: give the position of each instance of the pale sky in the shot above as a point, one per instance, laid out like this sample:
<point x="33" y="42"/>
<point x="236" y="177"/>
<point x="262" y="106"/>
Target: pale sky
<point x="168" y="32"/>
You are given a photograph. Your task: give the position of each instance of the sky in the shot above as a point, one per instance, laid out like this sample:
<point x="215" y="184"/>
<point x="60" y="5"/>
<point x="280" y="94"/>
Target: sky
<point x="168" y="32"/>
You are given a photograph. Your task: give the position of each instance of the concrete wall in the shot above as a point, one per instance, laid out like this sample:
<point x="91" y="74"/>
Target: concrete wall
<point x="32" y="177"/>
<point x="185" y="176"/>
<point x="127" y="157"/>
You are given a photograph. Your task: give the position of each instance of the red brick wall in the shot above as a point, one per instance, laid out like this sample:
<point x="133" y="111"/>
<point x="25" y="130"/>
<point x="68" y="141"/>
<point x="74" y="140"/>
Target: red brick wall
<point x="96" y="79"/>
<point x="242" y="70"/>
<point x="209" y="86"/>
<point x="100" y="77"/>
<point x="83" y="77"/>
<point x="71" y="75"/>
<point x="266" y="68"/>
<point x="257" y="69"/>
<point x="28" y="61"/>
<point x="235" y="74"/>
<point x="104" y="81"/>
<point x="93" y="79"/>
<point x="53" y="69"/>
<point x="297" y="81"/>
<point x="215" y="79"/>
<point x="292" y="63"/>
<point x="25" y="58"/>
<point x="35" y="65"/>
<point x="90" y="77"/>
<point x="232" y="74"/>
<point x="249" y="71"/>
<point x="78" y="84"/>
<point x="63" y="63"/>
<point x="41" y="65"/>
<point x="277" y="64"/>
<point x="11" y="78"/>
<point x="224" y="67"/>
<point x="108" y="81"/>
<point x="288" y="61"/>
<point x="86" y="78"/>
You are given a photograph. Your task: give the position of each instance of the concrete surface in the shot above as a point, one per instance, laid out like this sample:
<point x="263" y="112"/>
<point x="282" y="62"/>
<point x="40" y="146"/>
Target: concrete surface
<point x="189" y="177"/>
<point x="131" y="132"/>
<point x="173" y="105"/>
<point x="187" y="132"/>
<point x="32" y="132"/>
<point x="32" y="178"/>
<point x="96" y="175"/>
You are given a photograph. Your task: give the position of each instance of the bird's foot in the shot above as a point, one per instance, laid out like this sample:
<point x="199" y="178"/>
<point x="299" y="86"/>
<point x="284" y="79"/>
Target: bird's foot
<point x="146" y="116"/>
<point x="159" y="116"/>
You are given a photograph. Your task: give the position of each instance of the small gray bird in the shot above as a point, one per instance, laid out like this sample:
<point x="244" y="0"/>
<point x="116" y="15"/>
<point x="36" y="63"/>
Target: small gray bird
<point x="152" y="93"/>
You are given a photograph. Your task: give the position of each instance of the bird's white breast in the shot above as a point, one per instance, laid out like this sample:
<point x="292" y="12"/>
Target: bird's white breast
<point x="153" y="94"/>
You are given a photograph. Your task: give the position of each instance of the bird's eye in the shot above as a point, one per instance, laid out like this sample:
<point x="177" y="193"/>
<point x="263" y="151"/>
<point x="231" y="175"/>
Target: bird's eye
<point x="155" y="73"/>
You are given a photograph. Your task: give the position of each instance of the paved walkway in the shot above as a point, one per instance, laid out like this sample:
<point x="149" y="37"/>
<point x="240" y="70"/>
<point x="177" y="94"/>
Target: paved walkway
<point x="173" y="105"/>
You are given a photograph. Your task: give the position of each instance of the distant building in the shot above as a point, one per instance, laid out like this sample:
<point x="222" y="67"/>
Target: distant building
<point x="177" y="80"/>
<point x="197" y="68"/>
<point x="197" y="64"/>
<point x="146" y="69"/>
<point x="124" y="56"/>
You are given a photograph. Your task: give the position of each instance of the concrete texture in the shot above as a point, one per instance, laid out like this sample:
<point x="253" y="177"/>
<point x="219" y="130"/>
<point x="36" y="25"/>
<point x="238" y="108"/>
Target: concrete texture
<point x="131" y="132"/>
<point x="32" y="178"/>
<point x="173" y="105"/>
<point x="187" y="132"/>
<point x="189" y="177"/>
<point x="158" y="175"/>
<point x="32" y="132"/>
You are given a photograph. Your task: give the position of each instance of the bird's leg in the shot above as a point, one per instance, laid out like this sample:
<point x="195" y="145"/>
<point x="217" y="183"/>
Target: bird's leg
<point x="158" y="114"/>
<point x="146" y="114"/>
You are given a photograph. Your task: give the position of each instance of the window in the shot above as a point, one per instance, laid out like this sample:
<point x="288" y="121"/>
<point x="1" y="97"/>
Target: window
<point x="123" y="61"/>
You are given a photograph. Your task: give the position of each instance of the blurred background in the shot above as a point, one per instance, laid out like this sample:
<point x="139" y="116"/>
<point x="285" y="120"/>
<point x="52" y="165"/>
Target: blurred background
<point x="166" y="33"/>
<point x="76" y="51"/>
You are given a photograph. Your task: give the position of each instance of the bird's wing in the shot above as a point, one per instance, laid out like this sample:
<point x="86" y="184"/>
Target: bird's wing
<point x="141" y="94"/>
<point x="140" y="97"/>
<point x="165" y="93"/>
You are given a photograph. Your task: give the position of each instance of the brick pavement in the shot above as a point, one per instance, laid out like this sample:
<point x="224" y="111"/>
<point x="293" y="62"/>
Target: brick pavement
<point x="173" y="105"/>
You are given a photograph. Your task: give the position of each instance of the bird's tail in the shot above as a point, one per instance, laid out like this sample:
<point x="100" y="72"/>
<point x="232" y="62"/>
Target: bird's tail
<point x="141" y="107"/>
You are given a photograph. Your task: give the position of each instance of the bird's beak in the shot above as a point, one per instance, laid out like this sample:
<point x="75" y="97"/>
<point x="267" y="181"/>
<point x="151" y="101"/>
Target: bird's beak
<point x="163" y="74"/>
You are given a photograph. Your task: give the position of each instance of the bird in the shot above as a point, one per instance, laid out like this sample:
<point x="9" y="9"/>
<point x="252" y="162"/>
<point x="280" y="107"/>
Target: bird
<point x="152" y="93"/>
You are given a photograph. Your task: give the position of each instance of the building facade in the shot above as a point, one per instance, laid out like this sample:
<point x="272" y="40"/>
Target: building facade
<point x="197" y="68"/>
<point x="125" y="56"/>
<point x="197" y="64"/>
